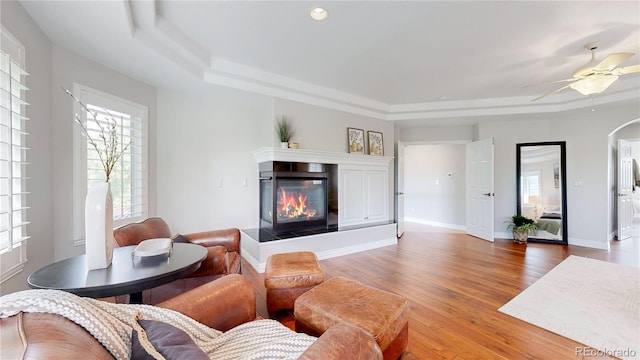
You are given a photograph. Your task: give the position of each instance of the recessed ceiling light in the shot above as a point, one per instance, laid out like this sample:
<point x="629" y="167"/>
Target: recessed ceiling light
<point x="318" y="13"/>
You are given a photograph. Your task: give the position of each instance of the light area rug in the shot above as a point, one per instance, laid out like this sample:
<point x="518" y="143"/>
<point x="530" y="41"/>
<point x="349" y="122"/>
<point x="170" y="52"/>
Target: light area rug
<point x="593" y="302"/>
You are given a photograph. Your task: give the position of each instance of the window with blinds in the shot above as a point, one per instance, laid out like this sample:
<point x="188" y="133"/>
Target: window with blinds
<point x="530" y="185"/>
<point x="128" y="179"/>
<point x="13" y="154"/>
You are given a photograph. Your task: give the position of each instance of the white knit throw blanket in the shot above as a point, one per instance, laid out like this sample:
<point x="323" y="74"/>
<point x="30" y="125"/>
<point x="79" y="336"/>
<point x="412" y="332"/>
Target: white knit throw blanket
<point x="110" y="324"/>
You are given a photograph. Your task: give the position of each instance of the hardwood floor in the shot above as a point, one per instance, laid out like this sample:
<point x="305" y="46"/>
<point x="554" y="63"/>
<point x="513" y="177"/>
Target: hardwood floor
<point x="456" y="283"/>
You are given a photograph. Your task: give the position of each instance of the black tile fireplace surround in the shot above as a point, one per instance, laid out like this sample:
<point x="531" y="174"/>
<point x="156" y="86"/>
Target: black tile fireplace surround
<point x="297" y="199"/>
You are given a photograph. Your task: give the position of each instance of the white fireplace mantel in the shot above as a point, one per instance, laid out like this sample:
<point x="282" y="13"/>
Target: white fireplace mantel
<point x="315" y="156"/>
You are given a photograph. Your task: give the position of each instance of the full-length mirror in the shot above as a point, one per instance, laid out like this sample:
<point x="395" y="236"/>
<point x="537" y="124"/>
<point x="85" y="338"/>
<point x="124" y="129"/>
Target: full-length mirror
<point x="542" y="189"/>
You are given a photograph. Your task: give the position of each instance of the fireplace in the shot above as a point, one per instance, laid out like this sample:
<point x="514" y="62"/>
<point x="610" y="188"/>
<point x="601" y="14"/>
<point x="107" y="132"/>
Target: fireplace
<point x="295" y="197"/>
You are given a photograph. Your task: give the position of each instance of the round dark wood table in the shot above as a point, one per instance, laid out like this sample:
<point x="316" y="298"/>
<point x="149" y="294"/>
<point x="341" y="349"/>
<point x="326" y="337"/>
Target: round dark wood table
<point x="125" y="275"/>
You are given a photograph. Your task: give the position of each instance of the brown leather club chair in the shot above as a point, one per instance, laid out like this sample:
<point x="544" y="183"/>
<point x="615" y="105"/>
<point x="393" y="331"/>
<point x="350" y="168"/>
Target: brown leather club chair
<point x="223" y="254"/>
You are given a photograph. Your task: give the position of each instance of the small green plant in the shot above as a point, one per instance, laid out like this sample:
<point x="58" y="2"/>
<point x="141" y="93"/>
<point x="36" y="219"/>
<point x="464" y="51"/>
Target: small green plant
<point x="283" y="129"/>
<point x="522" y="223"/>
<point x="521" y="227"/>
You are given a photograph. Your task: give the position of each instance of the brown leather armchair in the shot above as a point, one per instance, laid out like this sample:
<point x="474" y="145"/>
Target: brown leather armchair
<point x="222" y="304"/>
<point x="223" y="254"/>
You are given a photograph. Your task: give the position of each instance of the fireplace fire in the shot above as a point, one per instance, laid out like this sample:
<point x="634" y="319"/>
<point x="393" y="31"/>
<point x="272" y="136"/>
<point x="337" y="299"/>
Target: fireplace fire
<point x="294" y="206"/>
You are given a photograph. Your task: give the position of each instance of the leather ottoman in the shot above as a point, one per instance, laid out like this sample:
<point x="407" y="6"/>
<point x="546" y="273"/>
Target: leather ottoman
<point x="288" y="276"/>
<point x="384" y="315"/>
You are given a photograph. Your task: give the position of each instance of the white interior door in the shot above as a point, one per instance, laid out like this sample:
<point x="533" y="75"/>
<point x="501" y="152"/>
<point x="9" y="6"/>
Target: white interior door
<point x="480" y="194"/>
<point x="624" y="187"/>
<point x="400" y="189"/>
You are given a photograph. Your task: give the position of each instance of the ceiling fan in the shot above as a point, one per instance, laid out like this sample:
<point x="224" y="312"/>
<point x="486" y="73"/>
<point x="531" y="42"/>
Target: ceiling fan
<point x="595" y="76"/>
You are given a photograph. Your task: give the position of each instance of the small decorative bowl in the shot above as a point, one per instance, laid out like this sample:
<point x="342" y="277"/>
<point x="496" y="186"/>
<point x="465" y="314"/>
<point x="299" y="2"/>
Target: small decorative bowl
<point x="294" y="145"/>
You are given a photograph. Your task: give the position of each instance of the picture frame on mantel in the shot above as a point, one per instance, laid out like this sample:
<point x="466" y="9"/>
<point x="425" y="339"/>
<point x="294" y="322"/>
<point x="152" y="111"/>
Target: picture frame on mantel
<point x="376" y="143"/>
<point x="355" y="140"/>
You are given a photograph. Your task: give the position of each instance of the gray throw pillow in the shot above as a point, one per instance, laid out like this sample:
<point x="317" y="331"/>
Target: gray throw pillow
<point x="180" y="239"/>
<point x="168" y="340"/>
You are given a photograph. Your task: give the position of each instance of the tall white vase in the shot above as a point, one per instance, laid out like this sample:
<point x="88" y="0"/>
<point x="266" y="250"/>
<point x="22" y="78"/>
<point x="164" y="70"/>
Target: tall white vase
<point x="98" y="223"/>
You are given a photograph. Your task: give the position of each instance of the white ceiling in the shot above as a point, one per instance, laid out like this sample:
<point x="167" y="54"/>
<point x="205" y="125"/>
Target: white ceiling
<point x="391" y="60"/>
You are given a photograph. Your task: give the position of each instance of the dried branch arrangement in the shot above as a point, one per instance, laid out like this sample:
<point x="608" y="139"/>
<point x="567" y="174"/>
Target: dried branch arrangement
<point x="107" y="146"/>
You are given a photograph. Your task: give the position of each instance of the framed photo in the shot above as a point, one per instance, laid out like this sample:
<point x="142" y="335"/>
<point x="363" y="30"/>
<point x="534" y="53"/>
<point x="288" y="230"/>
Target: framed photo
<point x="376" y="145"/>
<point x="355" y="138"/>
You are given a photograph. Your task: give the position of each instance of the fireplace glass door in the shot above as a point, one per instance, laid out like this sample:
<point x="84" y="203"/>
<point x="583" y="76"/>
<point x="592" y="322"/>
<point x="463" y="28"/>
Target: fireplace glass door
<point x="290" y="204"/>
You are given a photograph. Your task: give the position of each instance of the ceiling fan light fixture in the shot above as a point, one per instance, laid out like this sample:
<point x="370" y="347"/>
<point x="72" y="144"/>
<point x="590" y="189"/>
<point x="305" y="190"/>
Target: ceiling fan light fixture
<point x="596" y="76"/>
<point x="318" y="13"/>
<point x="594" y="84"/>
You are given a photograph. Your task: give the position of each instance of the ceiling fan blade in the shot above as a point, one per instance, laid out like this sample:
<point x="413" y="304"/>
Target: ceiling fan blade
<point x="626" y="70"/>
<point x="550" y="82"/>
<point x="552" y="92"/>
<point x="611" y="61"/>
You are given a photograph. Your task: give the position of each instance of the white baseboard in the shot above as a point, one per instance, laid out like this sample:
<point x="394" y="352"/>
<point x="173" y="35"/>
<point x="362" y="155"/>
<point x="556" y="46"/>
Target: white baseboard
<point x="589" y="243"/>
<point x="435" y="223"/>
<point x="253" y="262"/>
<point x="572" y="241"/>
<point x="503" y="235"/>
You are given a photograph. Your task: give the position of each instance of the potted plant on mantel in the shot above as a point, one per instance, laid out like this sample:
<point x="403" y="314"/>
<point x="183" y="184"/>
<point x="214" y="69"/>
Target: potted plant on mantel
<point x="521" y="227"/>
<point x="284" y="130"/>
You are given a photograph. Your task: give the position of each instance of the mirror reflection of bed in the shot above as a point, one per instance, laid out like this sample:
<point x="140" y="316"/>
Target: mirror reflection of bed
<point x="549" y="223"/>
<point x="541" y="189"/>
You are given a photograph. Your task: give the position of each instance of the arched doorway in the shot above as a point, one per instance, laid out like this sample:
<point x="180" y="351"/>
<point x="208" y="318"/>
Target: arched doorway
<point x="624" y="203"/>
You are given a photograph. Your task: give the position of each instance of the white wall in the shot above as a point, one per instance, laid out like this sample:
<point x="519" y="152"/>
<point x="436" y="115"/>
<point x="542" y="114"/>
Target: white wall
<point x="204" y="157"/>
<point x="68" y="68"/>
<point x="436" y="134"/>
<point x="324" y="129"/>
<point x="431" y="195"/>
<point x="40" y="247"/>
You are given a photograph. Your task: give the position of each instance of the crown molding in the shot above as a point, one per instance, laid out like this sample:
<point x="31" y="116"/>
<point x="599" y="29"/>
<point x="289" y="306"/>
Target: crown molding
<point x="151" y="29"/>
<point x="505" y="106"/>
<point x="295" y="90"/>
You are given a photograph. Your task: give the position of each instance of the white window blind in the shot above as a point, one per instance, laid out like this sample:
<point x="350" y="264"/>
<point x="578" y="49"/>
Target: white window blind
<point x="13" y="154"/>
<point x="128" y="179"/>
<point x="531" y="185"/>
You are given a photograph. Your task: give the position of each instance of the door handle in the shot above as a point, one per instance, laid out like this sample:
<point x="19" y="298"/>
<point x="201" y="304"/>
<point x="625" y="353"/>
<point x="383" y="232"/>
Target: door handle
<point x="489" y="194"/>
<point x="399" y="193"/>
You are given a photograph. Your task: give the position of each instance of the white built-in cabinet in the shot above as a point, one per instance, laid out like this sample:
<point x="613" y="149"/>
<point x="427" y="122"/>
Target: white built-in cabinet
<point x="363" y="195"/>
